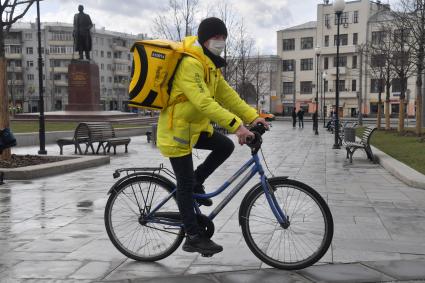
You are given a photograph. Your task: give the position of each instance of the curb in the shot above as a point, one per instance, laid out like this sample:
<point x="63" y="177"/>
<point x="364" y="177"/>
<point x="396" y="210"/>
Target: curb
<point x="54" y="168"/>
<point x="400" y="170"/>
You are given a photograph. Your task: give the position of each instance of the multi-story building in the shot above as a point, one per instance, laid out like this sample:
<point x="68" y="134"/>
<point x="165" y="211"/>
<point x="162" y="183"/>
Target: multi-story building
<point x="110" y="51"/>
<point x="300" y="47"/>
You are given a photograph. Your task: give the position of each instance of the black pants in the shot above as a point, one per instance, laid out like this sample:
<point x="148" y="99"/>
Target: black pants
<point x="187" y="179"/>
<point x="294" y="122"/>
<point x="300" y="122"/>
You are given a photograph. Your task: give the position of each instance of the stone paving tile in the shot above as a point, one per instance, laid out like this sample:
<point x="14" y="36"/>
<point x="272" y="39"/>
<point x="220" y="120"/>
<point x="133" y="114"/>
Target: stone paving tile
<point x="263" y="276"/>
<point x="41" y="270"/>
<point x="376" y="216"/>
<point x="343" y="273"/>
<point x="401" y="270"/>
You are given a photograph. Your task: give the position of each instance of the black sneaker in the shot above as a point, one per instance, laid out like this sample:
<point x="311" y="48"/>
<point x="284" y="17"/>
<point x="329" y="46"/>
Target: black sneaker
<point x="199" y="189"/>
<point x="202" y="245"/>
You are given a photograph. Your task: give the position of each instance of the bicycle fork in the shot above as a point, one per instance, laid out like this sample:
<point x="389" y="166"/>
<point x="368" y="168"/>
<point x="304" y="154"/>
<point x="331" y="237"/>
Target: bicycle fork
<point x="281" y="217"/>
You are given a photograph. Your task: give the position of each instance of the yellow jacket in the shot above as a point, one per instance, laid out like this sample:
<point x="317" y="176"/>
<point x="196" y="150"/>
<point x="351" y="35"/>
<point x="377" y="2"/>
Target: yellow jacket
<point x="209" y="98"/>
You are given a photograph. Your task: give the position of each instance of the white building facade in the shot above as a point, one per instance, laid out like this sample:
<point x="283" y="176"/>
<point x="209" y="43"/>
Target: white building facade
<point x="300" y="46"/>
<point x="110" y="51"/>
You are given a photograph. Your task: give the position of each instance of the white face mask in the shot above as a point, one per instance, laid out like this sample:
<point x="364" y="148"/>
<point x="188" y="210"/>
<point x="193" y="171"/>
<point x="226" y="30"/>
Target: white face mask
<point x="216" y="46"/>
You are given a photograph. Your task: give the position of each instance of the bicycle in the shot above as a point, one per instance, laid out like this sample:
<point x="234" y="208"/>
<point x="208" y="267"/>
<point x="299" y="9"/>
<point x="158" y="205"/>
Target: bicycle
<point x="284" y="222"/>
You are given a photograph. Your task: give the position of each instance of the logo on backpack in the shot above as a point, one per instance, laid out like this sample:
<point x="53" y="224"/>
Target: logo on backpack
<point x="158" y="55"/>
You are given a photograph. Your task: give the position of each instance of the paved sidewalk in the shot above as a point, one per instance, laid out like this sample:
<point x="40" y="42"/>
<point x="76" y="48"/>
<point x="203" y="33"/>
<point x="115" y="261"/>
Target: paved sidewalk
<point x="52" y="228"/>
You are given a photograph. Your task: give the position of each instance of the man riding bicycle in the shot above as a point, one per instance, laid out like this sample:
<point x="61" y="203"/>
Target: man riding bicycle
<point x="186" y="124"/>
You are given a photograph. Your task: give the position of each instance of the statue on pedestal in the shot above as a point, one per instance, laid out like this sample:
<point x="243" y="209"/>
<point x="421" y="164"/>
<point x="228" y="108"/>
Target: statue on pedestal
<point x="82" y="36"/>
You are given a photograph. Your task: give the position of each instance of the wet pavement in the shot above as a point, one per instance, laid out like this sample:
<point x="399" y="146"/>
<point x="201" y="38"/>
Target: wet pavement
<point x="52" y="228"/>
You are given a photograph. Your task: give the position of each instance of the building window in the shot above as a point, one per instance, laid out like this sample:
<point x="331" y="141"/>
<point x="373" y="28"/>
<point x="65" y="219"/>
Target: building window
<point x="30" y="77"/>
<point x="326" y="40"/>
<point x="102" y="66"/>
<point x="325" y="85"/>
<point x="289" y="44"/>
<point x="341" y="85"/>
<point x="102" y="79"/>
<point x="307" y="43"/>
<point x="327" y="22"/>
<point x="15" y="49"/>
<point x="356" y="17"/>
<point x="61" y="36"/>
<point x="102" y="54"/>
<point x="109" y="54"/>
<point x="344" y="18"/>
<point x="28" y="36"/>
<point x="110" y="79"/>
<point x="396" y="86"/>
<point x="354" y="63"/>
<point x="288" y="88"/>
<point x="307" y="64"/>
<point x="288" y="65"/>
<point x="30" y="50"/>
<point x="30" y="64"/>
<point x="378" y="37"/>
<point x="326" y="63"/>
<point x="353" y="85"/>
<point x="306" y="87"/>
<point x="355" y="38"/>
<point x="108" y="67"/>
<point x="343" y="39"/>
<point x="377" y="61"/>
<point x="57" y="77"/>
<point x="376" y="85"/>
<point x="55" y="63"/>
<point x="342" y="61"/>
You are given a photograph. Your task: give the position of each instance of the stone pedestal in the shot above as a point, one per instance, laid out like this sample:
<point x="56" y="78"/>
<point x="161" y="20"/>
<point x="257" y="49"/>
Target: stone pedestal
<point x="83" y="87"/>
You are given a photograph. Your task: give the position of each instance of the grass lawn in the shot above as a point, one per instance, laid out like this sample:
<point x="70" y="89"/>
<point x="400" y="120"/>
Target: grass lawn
<point x="407" y="149"/>
<point x="33" y="126"/>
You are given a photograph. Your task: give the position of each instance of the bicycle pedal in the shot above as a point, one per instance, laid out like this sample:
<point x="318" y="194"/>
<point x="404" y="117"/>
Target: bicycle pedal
<point x="207" y="255"/>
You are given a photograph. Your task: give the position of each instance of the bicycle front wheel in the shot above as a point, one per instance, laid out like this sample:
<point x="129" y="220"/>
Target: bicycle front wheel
<point x="300" y="245"/>
<point x="131" y="233"/>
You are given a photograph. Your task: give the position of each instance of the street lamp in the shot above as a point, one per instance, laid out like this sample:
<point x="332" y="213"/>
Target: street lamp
<point x="338" y="6"/>
<point x="42" y="132"/>
<point x="316" y="120"/>
<point x="324" y="76"/>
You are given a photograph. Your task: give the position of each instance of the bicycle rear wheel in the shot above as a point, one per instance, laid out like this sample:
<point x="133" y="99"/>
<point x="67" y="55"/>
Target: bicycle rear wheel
<point x="307" y="238"/>
<point x="132" y="234"/>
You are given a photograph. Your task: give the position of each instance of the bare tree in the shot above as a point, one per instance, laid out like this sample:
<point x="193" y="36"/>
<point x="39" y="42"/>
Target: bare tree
<point x="410" y="16"/>
<point x="10" y="12"/>
<point x="178" y="21"/>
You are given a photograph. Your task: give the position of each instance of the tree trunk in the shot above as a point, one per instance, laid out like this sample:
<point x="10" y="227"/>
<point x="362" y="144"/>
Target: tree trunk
<point x="401" y="116"/>
<point x="419" y="82"/>
<point x="378" y="120"/>
<point x="387" y="115"/>
<point x="4" y="104"/>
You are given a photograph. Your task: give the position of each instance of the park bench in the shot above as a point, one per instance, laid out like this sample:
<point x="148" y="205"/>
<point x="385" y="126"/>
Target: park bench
<point x="364" y="144"/>
<point x="89" y="133"/>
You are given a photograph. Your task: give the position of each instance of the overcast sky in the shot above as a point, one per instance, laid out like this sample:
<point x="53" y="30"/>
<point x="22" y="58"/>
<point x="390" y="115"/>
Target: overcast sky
<point x="262" y="17"/>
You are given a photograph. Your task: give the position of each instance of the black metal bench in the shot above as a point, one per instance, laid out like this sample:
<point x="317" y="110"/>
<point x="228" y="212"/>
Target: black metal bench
<point x="351" y="147"/>
<point x="81" y="136"/>
<point x="89" y="133"/>
<point x="104" y="134"/>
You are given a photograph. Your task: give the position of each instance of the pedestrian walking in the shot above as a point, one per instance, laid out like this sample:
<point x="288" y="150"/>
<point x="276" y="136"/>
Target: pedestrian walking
<point x="294" y="117"/>
<point x="300" y="116"/>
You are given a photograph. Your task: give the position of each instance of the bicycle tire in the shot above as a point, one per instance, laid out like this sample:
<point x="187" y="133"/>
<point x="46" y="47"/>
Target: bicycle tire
<point x="149" y="249"/>
<point x="255" y="202"/>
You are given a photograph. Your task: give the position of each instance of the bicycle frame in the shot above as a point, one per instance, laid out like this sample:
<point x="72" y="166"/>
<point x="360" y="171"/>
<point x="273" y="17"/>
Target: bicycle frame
<point x="256" y="168"/>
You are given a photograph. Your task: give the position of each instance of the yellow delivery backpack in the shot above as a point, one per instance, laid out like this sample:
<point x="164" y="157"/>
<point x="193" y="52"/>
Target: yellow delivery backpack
<point x="154" y="65"/>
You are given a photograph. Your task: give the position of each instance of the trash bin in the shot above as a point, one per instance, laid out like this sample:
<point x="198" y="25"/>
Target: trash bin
<point x="153" y="134"/>
<point x="350" y="134"/>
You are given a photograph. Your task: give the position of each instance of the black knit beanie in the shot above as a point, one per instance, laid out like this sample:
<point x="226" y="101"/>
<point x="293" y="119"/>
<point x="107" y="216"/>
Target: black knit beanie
<point x="210" y="27"/>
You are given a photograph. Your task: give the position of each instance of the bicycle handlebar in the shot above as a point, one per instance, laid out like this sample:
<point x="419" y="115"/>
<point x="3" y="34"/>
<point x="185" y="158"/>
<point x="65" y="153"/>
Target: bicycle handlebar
<point x="255" y="143"/>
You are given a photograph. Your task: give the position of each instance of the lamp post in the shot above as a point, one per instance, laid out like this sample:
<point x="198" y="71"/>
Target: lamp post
<point x="324" y="76"/>
<point x="316" y="120"/>
<point x="338" y="6"/>
<point x="42" y="132"/>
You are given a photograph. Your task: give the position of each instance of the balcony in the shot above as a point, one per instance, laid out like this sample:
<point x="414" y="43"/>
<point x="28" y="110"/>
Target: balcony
<point x="122" y="73"/>
<point x="120" y="85"/>
<point x="332" y="71"/>
<point x="15" y="82"/>
<point x="14" y="56"/>
<point x="331" y="50"/>
<point x="14" y="69"/>
<point x="59" y="69"/>
<point x="60" y="83"/>
<point x="121" y="61"/>
<point x="62" y="56"/>
<point x="117" y="47"/>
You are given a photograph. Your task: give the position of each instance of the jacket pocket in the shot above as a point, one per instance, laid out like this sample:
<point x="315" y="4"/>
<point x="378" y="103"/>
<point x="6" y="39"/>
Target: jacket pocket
<point x="181" y="134"/>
